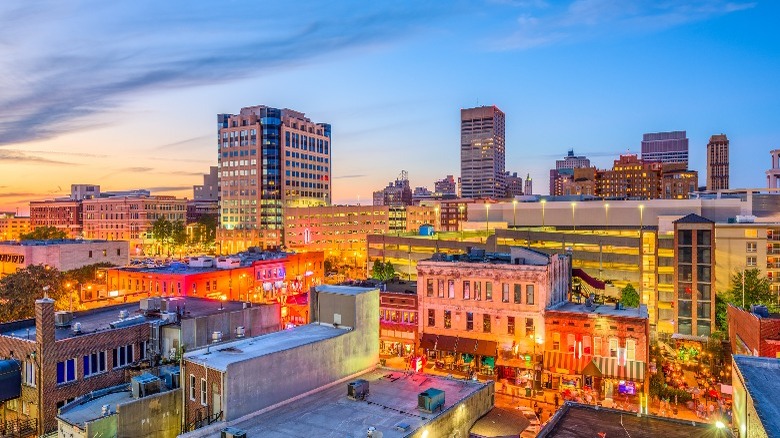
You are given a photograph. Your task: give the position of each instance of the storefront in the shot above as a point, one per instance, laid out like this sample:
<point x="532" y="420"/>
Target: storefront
<point x="465" y="355"/>
<point x="562" y="370"/>
<point x="611" y="378"/>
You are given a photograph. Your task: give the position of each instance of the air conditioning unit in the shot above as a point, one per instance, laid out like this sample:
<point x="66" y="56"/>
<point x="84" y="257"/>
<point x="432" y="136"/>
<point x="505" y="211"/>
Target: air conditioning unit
<point x="232" y="432"/>
<point x="240" y="331"/>
<point x="145" y="384"/>
<point x="430" y="400"/>
<point x="150" y="304"/>
<point x="167" y="317"/>
<point x="62" y="319"/>
<point x="172" y="377"/>
<point x="165" y="305"/>
<point x="357" y="390"/>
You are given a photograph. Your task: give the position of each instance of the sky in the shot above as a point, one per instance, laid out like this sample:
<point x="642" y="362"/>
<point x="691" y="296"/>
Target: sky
<point x="125" y="94"/>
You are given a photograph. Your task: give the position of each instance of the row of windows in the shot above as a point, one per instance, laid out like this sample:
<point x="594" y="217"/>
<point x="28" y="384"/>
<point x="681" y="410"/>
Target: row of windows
<point x="487" y="322"/>
<point x="408" y="317"/>
<point x="92" y="364"/>
<point x="193" y="389"/>
<point x="593" y="348"/>
<point x="516" y="291"/>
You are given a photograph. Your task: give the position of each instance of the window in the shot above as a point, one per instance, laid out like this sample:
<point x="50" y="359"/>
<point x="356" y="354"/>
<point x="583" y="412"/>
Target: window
<point x="510" y="325"/>
<point x="90" y="254"/>
<point x="556" y="341"/>
<point x="431" y="317"/>
<point x="529" y="294"/>
<point x="203" y="392"/>
<point x="451" y="288"/>
<point x="597" y="346"/>
<point x="94" y="363"/>
<point x="703" y="310"/>
<point x="630" y="349"/>
<point x="750" y="261"/>
<point x="518" y="293"/>
<point x="751" y="247"/>
<point x="429" y="287"/>
<point x="29" y="373"/>
<point x="192" y="387"/>
<point x="441" y="288"/>
<point x="587" y="348"/>
<point x="529" y="327"/>
<point x="613" y="347"/>
<point x="505" y="292"/>
<point x="142" y="351"/>
<point x="488" y="291"/>
<point x="118" y="252"/>
<point x="571" y="342"/>
<point x="703" y="292"/>
<point x="447" y="319"/>
<point x="684" y="308"/>
<point x="66" y="371"/>
<point x="123" y="356"/>
<point x="466" y="290"/>
<point x="477" y="290"/>
<point x="703" y="273"/>
<point x="703" y="237"/>
<point x="486" y="323"/>
<point x="469" y="321"/>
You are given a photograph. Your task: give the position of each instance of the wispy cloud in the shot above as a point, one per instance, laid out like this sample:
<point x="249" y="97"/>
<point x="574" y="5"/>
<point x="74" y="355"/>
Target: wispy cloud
<point x="185" y="173"/>
<point x="584" y="19"/>
<point x="349" y="176"/>
<point x="23" y="195"/>
<point x="137" y="169"/>
<point x="182" y="143"/>
<point x="15" y="156"/>
<point x="169" y="188"/>
<point x="105" y="51"/>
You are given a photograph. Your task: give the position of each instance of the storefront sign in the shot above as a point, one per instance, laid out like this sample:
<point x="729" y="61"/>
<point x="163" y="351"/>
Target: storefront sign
<point x="12" y="258"/>
<point x="625" y="387"/>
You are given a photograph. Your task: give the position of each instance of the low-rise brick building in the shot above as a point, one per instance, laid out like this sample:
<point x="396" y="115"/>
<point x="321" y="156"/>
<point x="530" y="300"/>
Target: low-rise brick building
<point x="64" y="255"/>
<point x="754" y="334"/>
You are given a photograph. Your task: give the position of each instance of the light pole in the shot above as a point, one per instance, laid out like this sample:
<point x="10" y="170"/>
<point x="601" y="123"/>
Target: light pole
<point x="461" y="207"/>
<point x="573" y="221"/>
<point x="606" y="215"/>
<point x="543" y="201"/>
<point x="514" y="212"/>
<point x="70" y="295"/>
<point x="487" y="220"/>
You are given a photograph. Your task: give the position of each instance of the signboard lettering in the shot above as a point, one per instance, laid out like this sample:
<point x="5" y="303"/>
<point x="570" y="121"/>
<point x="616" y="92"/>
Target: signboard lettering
<point x="12" y="258"/>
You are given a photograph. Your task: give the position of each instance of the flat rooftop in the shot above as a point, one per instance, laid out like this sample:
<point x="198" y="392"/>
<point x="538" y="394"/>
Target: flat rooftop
<point x="220" y="356"/>
<point x="762" y="380"/>
<point x="53" y="242"/>
<point x="584" y="421"/>
<point x="329" y="413"/>
<point x="343" y="290"/>
<point x="80" y="414"/>
<point x="96" y="320"/>
<point x="602" y="309"/>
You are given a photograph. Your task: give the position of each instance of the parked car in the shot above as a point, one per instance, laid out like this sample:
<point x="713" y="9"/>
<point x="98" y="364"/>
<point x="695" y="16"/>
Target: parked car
<point x="534" y="426"/>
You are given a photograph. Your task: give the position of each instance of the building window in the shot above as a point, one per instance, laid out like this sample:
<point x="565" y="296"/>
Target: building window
<point x="203" y="392"/>
<point x="192" y="387"/>
<point x="66" y="371"/>
<point x="431" y="318"/>
<point x="530" y="330"/>
<point x="428" y="289"/>
<point x="597" y="346"/>
<point x="447" y="319"/>
<point x="451" y="288"/>
<point x="587" y="348"/>
<point x="529" y="294"/>
<point x="518" y="293"/>
<point x="486" y="323"/>
<point x="504" y="292"/>
<point x="477" y="290"/>
<point x="751" y="247"/>
<point x="90" y="254"/>
<point x="630" y="349"/>
<point x="556" y="341"/>
<point x="469" y="321"/>
<point x="94" y="363"/>
<point x="441" y="288"/>
<point x="488" y="291"/>
<point x="118" y="252"/>
<point x="29" y="373"/>
<point x="613" y="347"/>
<point x="123" y="356"/>
<point x="571" y="342"/>
<point x="466" y="290"/>
<point x="510" y="325"/>
<point x="142" y="350"/>
<point x="750" y="261"/>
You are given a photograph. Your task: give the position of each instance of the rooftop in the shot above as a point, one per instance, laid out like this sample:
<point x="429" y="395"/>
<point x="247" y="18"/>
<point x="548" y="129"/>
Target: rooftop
<point x="500" y="422"/>
<point x="99" y="319"/>
<point x="576" y="420"/>
<point x="221" y="356"/>
<point x="518" y="256"/>
<point x="52" y="242"/>
<point x="392" y="402"/>
<point x="90" y="410"/>
<point x="343" y="290"/>
<point x="602" y="309"/>
<point x="762" y="381"/>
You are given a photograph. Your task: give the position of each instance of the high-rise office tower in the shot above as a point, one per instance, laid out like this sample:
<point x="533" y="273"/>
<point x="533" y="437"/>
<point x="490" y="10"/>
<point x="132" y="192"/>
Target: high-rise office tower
<point x="564" y="171"/>
<point x="482" y="152"/>
<point x="718" y="163"/>
<point x="270" y="158"/>
<point x="529" y="185"/>
<point x="665" y="147"/>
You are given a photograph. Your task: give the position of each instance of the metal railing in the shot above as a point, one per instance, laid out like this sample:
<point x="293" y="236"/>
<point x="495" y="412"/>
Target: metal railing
<point x="19" y="428"/>
<point x="203" y="417"/>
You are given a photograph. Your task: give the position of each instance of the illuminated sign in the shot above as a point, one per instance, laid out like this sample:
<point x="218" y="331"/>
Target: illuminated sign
<point x="12" y="258"/>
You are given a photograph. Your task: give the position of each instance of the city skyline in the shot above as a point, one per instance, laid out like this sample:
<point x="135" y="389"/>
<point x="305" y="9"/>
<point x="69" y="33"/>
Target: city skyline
<point x="129" y="101"/>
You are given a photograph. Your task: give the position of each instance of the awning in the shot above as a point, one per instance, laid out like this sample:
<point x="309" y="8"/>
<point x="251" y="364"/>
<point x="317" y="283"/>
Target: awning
<point x="514" y="363"/>
<point x="559" y="360"/>
<point x="692" y="338"/>
<point x="430" y="341"/>
<point x="610" y="367"/>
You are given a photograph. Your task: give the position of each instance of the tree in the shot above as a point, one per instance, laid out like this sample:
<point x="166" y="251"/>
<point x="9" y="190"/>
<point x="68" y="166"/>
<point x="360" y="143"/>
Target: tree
<point x="382" y="271"/>
<point x="44" y="233"/>
<point x="629" y="296"/>
<point x="162" y="230"/>
<point x="178" y="234"/>
<point x="756" y="289"/>
<point x="18" y="291"/>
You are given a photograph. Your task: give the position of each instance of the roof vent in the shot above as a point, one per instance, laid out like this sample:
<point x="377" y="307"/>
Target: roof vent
<point x="106" y="410"/>
<point x="77" y="328"/>
<point x="240" y="331"/>
<point x="123" y="314"/>
<point x="62" y="319"/>
<point x="216" y="337"/>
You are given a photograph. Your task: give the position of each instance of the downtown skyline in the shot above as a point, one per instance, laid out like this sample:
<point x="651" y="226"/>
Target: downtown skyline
<point x="127" y="100"/>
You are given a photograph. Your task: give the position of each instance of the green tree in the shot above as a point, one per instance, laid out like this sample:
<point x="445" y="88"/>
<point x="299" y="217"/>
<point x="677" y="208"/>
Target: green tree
<point x="178" y="235"/>
<point x="18" y="291"/>
<point x="756" y="289"/>
<point x="44" y="233"/>
<point x="629" y="296"/>
<point x="382" y="271"/>
<point x="162" y="232"/>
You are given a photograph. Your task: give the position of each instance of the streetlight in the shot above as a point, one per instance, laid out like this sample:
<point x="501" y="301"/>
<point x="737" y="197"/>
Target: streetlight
<point x="606" y="214"/>
<point x="487" y="222"/>
<point x="514" y="212"/>
<point x="70" y="296"/>
<point x="461" y="207"/>
<point x="573" y="221"/>
<point x="543" y="201"/>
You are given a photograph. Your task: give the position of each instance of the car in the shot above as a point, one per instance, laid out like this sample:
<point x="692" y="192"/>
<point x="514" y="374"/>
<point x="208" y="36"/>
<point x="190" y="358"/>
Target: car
<point x="534" y="426"/>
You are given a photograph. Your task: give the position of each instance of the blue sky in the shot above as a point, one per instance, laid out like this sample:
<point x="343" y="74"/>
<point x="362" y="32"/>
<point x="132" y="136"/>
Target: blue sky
<point x="126" y="94"/>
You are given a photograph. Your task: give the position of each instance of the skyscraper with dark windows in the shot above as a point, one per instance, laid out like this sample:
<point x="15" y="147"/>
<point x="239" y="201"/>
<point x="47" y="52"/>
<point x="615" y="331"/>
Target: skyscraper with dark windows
<point x="665" y="147"/>
<point x="270" y="158"/>
<point x="482" y="152"/>
<point x="718" y="162"/>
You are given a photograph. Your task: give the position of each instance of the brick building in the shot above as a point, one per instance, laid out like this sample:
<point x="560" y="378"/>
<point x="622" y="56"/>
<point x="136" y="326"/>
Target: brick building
<point x="754" y="334"/>
<point x="398" y="318"/>
<point x="596" y="346"/>
<point x="694" y="249"/>
<point x="64" y="215"/>
<point x="63" y="255"/>
<point x="13" y="226"/>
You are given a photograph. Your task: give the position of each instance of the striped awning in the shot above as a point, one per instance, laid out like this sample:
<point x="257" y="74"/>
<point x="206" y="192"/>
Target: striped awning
<point x="611" y="368"/>
<point x="559" y="360"/>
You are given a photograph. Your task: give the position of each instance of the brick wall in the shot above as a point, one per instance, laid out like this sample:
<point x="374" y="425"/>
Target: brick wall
<point x="756" y="333"/>
<point x="192" y="407"/>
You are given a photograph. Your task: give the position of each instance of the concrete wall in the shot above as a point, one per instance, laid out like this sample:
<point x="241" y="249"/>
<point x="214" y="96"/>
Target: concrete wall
<point x="257" y="320"/>
<point x="456" y="421"/>
<point x="102" y="427"/>
<point x="155" y="416"/>
<point x="286" y="374"/>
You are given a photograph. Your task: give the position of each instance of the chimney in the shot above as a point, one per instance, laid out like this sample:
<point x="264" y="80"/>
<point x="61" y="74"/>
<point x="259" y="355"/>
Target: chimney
<point x="44" y="321"/>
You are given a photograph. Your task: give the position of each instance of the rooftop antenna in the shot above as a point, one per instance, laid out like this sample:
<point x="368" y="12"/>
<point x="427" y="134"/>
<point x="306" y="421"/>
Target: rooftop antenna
<point x="46" y="291"/>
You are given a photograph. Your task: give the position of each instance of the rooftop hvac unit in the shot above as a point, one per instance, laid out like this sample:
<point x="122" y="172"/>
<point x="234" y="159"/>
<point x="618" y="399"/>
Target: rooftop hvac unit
<point x="216" y="337"/>
<point x="430" y="400"/>
<point x="357" y="390"/>
<point x="167" y="317"/>
<point x="232" y="432"/>
<point x="165" y="305"/>
<point x="62" y="319"/>
<point x="144" y="385"/>
<point x="171" y="376"/>
<point x="76" y="328"/>
<point x="150" y="304"/>
<point x="123" y="314"/>
<point x="240" y="331"/>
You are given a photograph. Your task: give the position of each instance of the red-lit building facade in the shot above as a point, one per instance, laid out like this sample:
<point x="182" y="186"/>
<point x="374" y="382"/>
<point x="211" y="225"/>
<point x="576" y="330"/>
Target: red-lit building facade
<point x="598" y="347"/>
<point x="398" y="318"/>
<point x="751" y="334"/>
